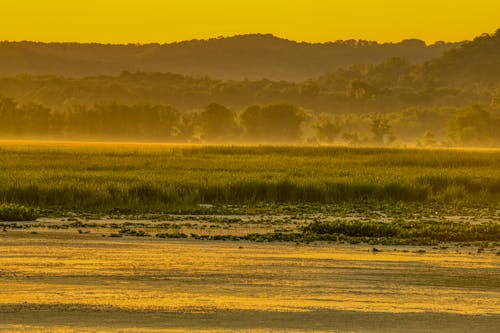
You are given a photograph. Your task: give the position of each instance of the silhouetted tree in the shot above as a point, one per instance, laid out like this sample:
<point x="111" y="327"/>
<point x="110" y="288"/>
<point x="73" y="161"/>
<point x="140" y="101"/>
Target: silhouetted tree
<point x="187" y="125"/>
<point x="8" y="115"/>
<point x="471" y="125"/>
<point x="36" y="119"/>
<point x="277" y="122"/>
<point x="217" y="122"/>
<point x="327" y="128"/>
<point x="351" y="138"/>
<point x="381" y="130"/>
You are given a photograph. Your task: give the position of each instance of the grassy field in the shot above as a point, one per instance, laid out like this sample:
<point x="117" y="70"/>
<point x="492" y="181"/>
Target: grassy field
<point x="155" y="178"/>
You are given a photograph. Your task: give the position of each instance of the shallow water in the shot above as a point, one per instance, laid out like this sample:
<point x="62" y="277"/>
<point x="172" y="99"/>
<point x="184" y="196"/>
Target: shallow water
<point x="65" y="282"/>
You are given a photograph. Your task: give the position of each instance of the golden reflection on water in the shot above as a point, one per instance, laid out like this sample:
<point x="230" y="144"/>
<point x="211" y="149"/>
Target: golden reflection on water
<point x="207" y="276"/>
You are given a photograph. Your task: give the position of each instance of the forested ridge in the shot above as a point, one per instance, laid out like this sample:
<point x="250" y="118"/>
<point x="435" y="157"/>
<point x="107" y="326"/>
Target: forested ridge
<point x="255" y="56"/>
<point x="452" y="99"/>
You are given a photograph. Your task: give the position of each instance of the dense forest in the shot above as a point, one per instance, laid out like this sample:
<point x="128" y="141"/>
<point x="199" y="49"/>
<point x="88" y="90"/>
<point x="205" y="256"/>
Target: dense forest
<point x="233" y="58"/>
<point x="447" y="100"/>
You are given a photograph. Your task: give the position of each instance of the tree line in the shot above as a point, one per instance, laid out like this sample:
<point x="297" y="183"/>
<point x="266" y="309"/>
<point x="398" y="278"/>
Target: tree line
<point x="474" y="125"/>
<point x="453" y="99"/>
<point x="461" y="76"/>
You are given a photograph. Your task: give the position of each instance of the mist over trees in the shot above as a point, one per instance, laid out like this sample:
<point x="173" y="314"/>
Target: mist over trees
<point x="271" y="124"/>
<point x="451" y="100"/>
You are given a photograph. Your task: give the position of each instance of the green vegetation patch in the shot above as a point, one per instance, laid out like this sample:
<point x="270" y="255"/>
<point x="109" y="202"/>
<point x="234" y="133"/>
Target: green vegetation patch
<point x="14" y="212"/>
<point x="370" y="232"/>
<point x="402" y="232"/>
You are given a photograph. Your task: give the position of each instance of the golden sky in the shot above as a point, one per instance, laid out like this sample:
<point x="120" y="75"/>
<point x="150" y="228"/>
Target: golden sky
<point x="143" y="21"/>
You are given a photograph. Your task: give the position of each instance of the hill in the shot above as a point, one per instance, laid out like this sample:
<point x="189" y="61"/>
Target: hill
<point x="246" y="56"/>
<point x="477" y="61"/>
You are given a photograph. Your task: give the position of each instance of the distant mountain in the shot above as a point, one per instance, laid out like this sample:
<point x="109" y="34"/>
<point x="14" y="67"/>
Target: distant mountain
<point x="477" y="61"/>
<point x="247" y="56"/>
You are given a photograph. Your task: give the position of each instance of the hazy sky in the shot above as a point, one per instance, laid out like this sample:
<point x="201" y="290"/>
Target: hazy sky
<point x="123" y="21"/>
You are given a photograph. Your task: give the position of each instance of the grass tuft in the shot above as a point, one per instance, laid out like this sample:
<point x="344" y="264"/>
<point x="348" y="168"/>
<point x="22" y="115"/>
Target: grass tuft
<point x="14" y="212"/>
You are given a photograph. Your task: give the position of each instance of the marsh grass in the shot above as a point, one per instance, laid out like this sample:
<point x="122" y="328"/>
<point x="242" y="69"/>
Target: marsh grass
<point x="374" y="232"/>
<point x="404" y="231"/>
<point x="142" y="178"/>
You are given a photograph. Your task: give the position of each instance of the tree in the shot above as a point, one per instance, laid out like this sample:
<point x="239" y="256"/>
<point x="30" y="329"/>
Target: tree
<point x="471" y="125"/>
<point x="217" y="123"/>
<point x="36" y="119"/>
<point x="275" y="123"/>
<point x="495" y="100"/>
<point x="360" y="90"/>
<point x="155" y="121"/>
<point x="186" y="127"/>
<point x="309" y="89"/>
<point x="427" y="140"/>
<point x="327" y="128"/>
<point x="250" y="120"/>
<point x="8" y="115"/>
<point x="351" y="138"/>
<point x="381" y="130"/>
